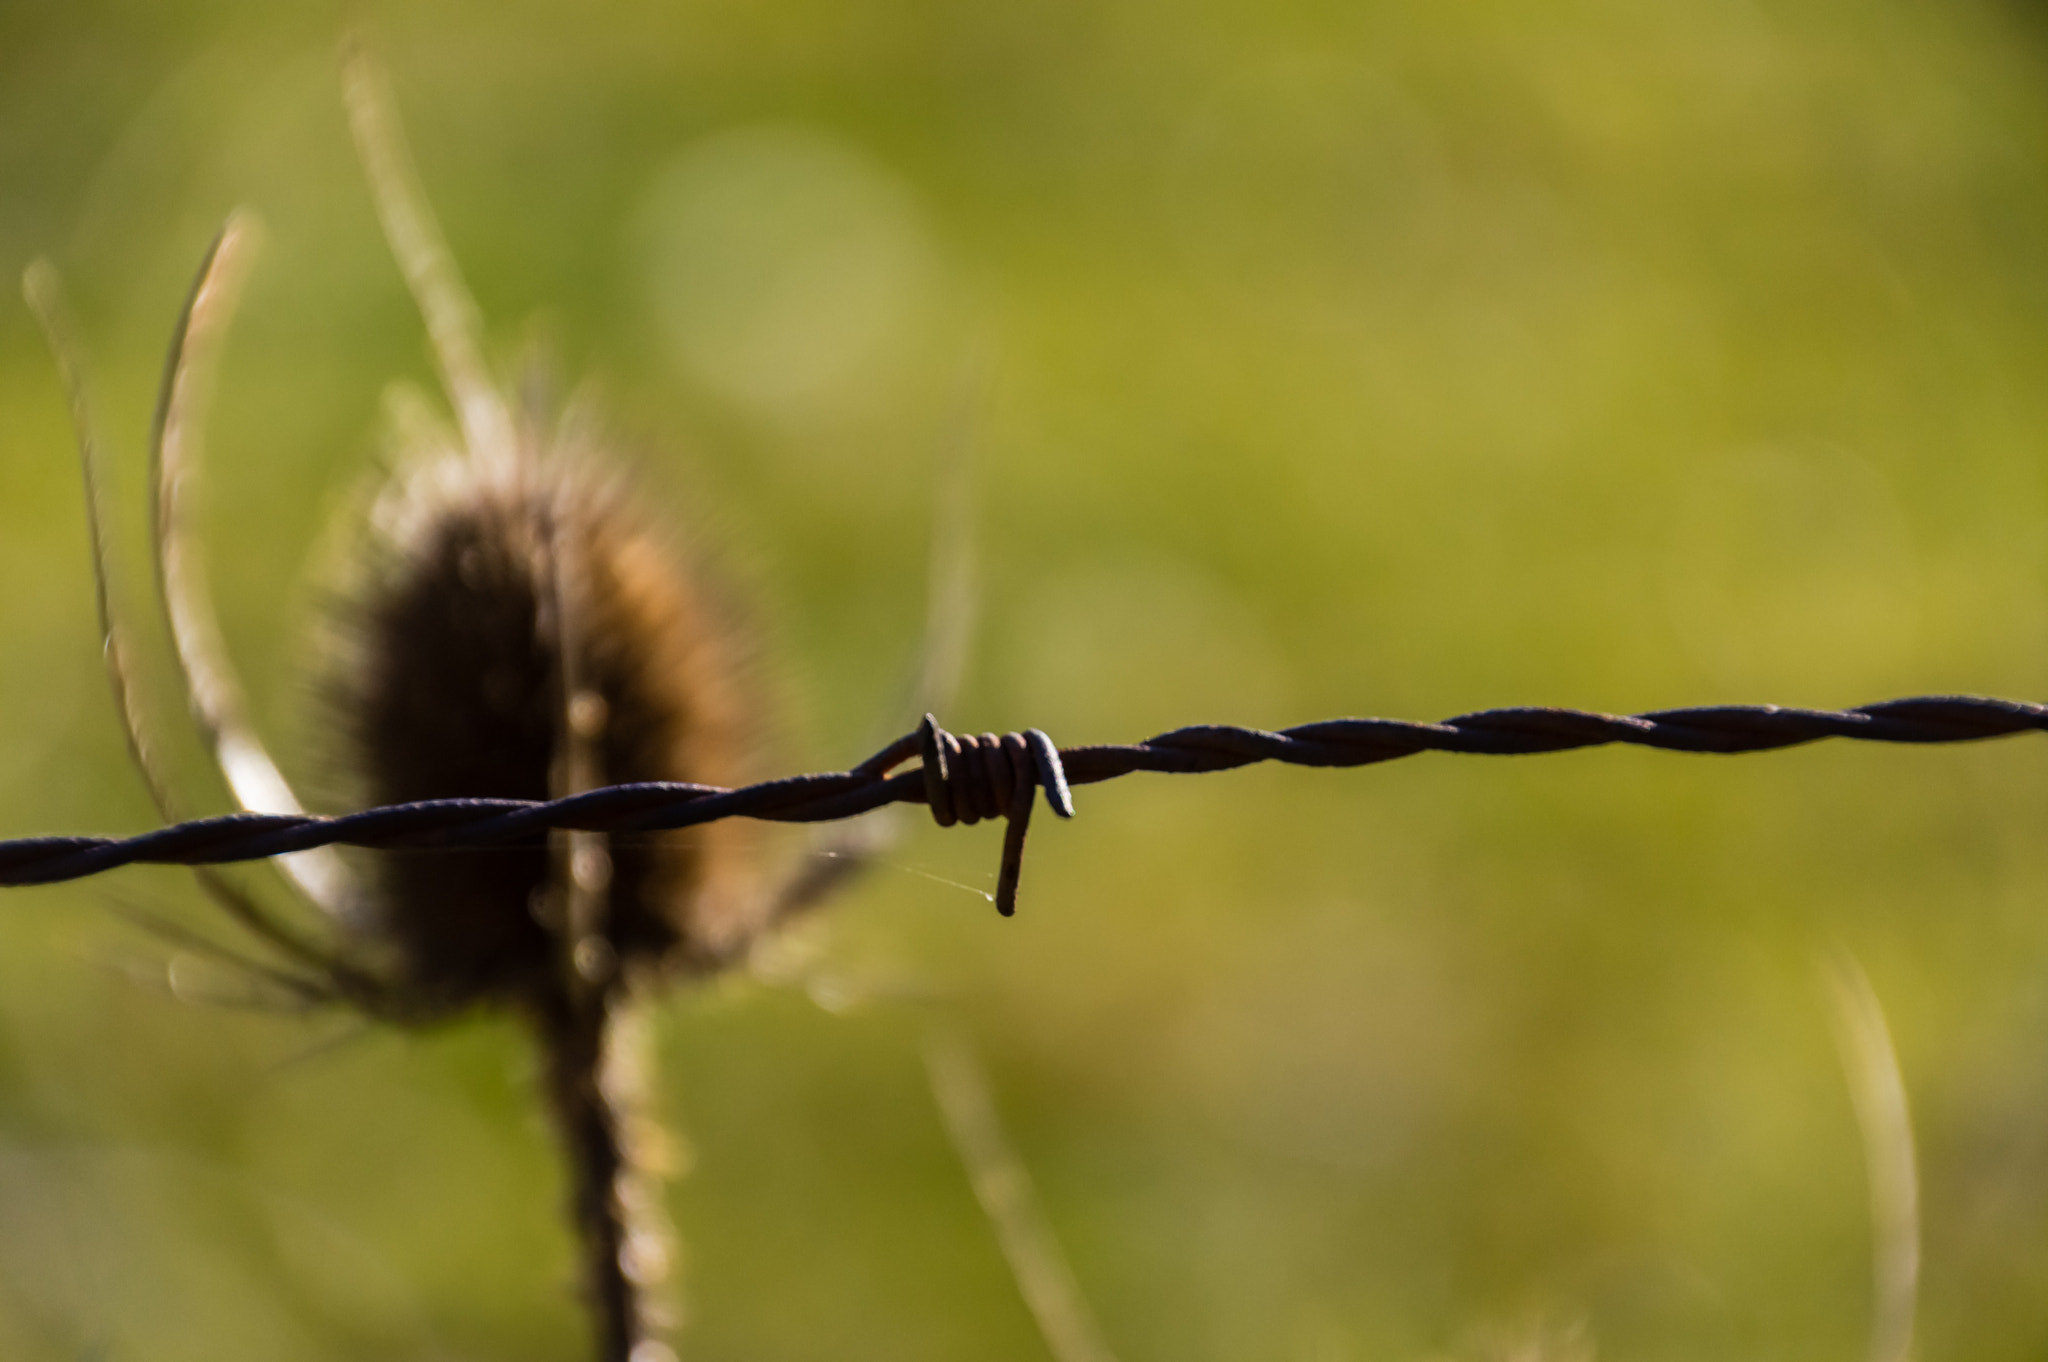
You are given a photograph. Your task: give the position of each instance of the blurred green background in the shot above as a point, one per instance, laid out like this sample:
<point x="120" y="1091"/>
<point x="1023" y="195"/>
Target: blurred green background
<point x="1318" y="359"/>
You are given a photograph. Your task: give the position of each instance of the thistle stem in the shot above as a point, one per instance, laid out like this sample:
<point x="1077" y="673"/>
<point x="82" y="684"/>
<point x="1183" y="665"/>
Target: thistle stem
<point x="575" y="1038"/>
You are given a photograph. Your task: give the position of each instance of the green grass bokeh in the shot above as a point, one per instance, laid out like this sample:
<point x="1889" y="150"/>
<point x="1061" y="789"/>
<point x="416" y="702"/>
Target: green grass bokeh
<point x="1317" y="359"/>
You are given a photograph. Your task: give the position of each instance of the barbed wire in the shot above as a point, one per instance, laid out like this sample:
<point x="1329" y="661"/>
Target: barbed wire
<point x="967" y="779"/>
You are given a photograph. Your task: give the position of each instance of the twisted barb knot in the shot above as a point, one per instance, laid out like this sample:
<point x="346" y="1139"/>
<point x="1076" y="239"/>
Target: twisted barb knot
<point x="972" y="778"/>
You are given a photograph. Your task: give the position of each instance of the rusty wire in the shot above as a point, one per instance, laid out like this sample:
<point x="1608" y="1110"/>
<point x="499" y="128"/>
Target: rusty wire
<point x="967" y="779"/>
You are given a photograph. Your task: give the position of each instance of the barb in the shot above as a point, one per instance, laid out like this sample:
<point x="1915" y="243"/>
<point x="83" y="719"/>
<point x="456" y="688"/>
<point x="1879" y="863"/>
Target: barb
<point x="968" y="779"/>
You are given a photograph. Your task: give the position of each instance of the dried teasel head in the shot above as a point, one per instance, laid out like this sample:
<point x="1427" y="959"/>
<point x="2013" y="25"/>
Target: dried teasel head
<point x="519" y="631"/>
<point x="513" y="627"/>
<point x="516" y="628"/>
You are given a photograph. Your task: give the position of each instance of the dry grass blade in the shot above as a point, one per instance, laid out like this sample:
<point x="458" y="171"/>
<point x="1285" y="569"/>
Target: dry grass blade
<point x="1878" y="1092"/>
<point x="453" y="323"/>
<point x="1003" y="1187"/>
<point x="951" y="587"/>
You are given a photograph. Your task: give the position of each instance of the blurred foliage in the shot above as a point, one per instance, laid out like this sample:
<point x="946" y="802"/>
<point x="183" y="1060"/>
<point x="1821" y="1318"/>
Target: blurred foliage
<point x="1318" y="358"/>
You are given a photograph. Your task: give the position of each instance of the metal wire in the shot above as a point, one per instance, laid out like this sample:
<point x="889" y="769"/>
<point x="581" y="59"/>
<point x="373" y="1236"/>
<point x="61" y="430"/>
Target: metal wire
<point x="968" y="779"/>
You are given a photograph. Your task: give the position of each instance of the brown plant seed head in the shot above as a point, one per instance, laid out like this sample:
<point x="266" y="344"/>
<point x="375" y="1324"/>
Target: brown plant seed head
<point x="511" y="610"/>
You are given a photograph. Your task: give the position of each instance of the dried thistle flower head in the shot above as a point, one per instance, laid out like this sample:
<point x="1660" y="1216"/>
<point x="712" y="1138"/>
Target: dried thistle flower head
<point x="517" y="629"/>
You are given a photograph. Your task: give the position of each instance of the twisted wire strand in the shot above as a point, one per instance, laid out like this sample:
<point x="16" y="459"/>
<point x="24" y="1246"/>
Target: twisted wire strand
<point x="967" y="779"/>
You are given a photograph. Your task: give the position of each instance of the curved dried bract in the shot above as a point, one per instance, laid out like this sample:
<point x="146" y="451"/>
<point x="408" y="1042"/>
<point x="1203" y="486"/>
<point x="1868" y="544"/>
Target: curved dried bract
<point x="45" y="294"/>
<point x="296" y="989"/>
<point x="451" y="316"/>
<point x="213" y="693"/>
<point x="46" y="299"/>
